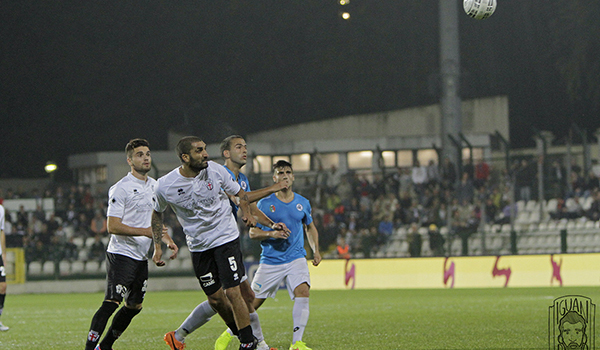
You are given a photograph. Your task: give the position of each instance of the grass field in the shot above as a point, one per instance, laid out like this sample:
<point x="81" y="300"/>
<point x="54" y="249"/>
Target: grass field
<point x="511" y="318"/>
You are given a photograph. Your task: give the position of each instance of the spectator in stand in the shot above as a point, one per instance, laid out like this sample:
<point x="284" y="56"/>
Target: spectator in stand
<point x="524" y="178"/>
<point x="22" y="216"/>
<point x="97" y="251"/>
<point x="433" y="173"/>
<point x="482" y="173"/>
<point x="592" y="183"/>
<point x="385" y="229"/>
<point x="419" y="178"/>
<point x="469" y="168"/>
<point x="98" y="224"/>
<point x="368" y="237"/>
<point x="436" y="240"/>
<point x="413" y="213"/>
<point x="415" y="241"/>
<point x="594" y="211"/>
<point x="556" y="180"/>
<point x="448" y="174"/>
<point x="343" y="249"/>
<point x="344" y="191"/>
<point x="465" y="190"/>
<point x="71" y="251"/>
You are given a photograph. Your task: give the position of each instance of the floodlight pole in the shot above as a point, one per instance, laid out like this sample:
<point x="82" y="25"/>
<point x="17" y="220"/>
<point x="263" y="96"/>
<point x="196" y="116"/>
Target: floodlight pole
<point x="450" y="79"/>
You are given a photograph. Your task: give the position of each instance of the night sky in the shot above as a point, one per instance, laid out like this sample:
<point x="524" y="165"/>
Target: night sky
<point x="86" y="76"/>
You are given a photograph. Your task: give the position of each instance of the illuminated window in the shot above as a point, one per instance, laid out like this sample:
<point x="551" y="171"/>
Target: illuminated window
<point x="425" y="155"/>
<point x="262" y="164"/>
<point x="101" y="174"/>
<point x="301" y="162"/>
<point x="329" y="159"/>
<point x="389" y="159"/>
<point x="477" y="153"/>
<point x="360" y="160"/>
<point x="404" y="159"/>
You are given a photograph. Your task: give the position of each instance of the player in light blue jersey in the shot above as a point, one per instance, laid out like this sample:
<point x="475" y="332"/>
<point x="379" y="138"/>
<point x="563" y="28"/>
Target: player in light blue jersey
<point x="283" y="257"/>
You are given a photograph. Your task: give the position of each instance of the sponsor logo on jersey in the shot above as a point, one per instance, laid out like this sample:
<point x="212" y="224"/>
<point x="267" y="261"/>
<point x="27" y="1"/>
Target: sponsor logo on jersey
<point x="180" y="192"/>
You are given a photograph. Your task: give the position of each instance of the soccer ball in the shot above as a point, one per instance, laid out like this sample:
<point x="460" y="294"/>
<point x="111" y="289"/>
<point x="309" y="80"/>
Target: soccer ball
<point x="479" y="9"/>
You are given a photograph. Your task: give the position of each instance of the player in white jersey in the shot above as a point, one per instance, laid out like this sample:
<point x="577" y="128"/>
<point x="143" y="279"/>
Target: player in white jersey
<point x="197" y="191"/>
<point x="2" y="270"/>
<point x="129" y="223"/>
<point x="233" y="149"/>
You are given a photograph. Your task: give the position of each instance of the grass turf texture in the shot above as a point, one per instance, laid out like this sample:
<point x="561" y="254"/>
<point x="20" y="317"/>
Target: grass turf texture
<point x="512" y="318"/>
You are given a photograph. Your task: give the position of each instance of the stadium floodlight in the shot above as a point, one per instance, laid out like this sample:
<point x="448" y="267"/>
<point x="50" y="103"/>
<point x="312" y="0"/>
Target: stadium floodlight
<point x="50" y="167"/>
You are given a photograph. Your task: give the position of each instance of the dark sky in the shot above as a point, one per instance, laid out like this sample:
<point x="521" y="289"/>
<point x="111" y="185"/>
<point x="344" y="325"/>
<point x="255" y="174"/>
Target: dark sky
<point x="85" y="76"/>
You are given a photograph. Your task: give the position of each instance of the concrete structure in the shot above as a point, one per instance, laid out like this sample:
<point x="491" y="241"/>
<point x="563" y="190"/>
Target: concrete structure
<point x="411" y="130"/>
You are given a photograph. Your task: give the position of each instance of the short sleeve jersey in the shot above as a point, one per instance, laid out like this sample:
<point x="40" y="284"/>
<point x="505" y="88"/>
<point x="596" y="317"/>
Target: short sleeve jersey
<point x="244" y="184"/>
<point x="203" y="210"/>
<point x="130" y="199"/>
<point x="1" y="222"/>
<point x="294" y="215"/>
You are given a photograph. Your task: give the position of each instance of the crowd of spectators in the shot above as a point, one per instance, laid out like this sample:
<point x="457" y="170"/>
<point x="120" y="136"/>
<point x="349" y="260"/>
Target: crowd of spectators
<point x="354" y="212"/>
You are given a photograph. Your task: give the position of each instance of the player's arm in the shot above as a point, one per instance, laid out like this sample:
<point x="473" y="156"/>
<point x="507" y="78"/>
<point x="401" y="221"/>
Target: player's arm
<point x="264" y="220"/>
<point x="313" y="240"/>
<point x="255" y="195"/>
<point x="166" y="239"/>
<point x="117" y="227"/>
<point x="260" y="234"/>
<point x="3" y="243"/>
<point x="157" y="235"/>
<point x="245" y="207"/>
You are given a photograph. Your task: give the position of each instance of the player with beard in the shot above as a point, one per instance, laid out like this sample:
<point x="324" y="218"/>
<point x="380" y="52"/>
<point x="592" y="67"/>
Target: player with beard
<point x="198" y="191"/>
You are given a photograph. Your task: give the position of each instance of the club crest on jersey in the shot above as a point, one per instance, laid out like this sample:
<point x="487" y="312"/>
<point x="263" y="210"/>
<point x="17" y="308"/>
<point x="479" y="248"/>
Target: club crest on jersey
<point x="299" y="207"/>
<point x="272" y="208"/>
<point x="244" y="185"/>
<point x="209" y="184"/>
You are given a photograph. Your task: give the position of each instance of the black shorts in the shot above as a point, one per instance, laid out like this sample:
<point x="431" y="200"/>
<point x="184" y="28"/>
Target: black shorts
<point x="218" y="267"/>
<point x="2" y="270"/>
<point x="126" y="278"/>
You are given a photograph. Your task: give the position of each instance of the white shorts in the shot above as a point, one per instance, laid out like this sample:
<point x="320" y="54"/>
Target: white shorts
<point x="268" y="278"/>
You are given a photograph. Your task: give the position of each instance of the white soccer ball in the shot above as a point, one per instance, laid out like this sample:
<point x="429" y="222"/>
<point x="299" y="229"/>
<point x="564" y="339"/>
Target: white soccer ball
<point x="479" y="9"/>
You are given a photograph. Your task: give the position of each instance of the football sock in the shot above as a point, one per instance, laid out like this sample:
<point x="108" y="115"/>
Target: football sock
<point x="300" y="317"/>
<point x="120" y="322"/>
<point x="2" y="297"/>
<point x="99" y="323"/>
<point x="256" y="328"/>
<point x="233" y="328"/>
<point x="201" y="314"/>
<point x="246" y="335"/>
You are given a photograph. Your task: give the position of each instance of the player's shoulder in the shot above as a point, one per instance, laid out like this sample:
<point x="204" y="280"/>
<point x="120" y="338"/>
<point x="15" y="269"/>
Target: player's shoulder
<point x="300" y="198"/>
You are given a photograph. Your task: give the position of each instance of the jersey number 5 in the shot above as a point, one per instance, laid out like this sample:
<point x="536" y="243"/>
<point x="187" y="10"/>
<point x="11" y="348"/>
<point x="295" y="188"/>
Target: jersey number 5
<point x="232" y="263"/>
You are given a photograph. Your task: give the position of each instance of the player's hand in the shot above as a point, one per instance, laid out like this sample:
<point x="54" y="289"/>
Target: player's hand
<point x="280" y="226"/>
<point x="279" y="234"/>
<point x="282" y="185"/>
<point x="174" y="250"/>
<point x="249" y="220"/>
<point x="316" y="259"/>
<point x="156" y="257"/>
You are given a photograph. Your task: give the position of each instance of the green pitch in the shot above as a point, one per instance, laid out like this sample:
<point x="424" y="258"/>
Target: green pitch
<point x="513" y="318"/>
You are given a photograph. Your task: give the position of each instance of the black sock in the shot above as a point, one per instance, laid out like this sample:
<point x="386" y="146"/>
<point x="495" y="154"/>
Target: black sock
<point x="246" y="335"/>
<point x="99" y="323"/>
<point x="120" y="322"/>
<point x="233" y="327"/>
<point x="2" y="297"/>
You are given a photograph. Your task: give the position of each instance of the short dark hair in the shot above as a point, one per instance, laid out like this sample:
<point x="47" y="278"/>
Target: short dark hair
<point x="282" y="164"/>
<point x="133" y="144"/>
<point x="226" y="143"/>
<point x="184" y="146"/>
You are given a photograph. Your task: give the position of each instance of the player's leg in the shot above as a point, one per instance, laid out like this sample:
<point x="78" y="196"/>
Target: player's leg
<point x="228" y="258"/>
<point x="298" y="284"/>
<point x="199" y="316"/>
<point x="112" y="298"/>
<point x="2" y="291"/>
<point x="135" y="297"/>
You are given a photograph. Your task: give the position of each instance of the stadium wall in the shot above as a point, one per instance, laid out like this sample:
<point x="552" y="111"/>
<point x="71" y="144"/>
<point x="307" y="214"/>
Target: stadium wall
<point x="453" y="272"/>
